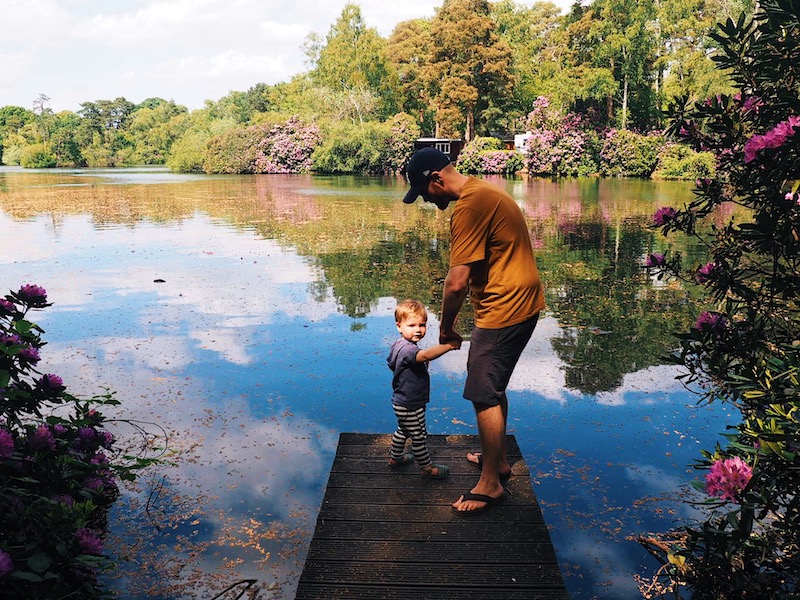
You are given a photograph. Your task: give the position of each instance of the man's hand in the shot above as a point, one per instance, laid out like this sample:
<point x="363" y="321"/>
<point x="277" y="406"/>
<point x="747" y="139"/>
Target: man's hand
<point x="451" y="338"/>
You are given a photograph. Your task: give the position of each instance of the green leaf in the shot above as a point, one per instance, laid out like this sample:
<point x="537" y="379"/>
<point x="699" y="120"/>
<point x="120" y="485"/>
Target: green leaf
<point x="26" y="576"/>
<point x="39" y="562"/>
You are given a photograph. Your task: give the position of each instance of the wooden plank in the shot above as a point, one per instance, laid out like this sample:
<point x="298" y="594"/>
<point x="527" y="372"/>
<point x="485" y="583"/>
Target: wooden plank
<point x="385" y="533"/>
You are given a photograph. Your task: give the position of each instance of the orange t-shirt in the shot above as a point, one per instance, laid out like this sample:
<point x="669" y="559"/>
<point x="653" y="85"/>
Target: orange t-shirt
<point x="489" y="233"/>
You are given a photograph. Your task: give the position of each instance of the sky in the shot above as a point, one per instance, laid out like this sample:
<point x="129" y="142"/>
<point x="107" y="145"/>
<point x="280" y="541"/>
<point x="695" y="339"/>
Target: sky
<point x="188" y="51"/>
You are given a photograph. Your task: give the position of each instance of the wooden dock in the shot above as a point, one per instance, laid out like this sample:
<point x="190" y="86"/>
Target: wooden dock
<point x="390" y="534"/>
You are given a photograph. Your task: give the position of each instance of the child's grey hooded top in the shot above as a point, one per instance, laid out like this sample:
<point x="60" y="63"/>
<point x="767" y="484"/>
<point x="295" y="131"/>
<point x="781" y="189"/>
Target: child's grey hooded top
<point x="411" y="384"/>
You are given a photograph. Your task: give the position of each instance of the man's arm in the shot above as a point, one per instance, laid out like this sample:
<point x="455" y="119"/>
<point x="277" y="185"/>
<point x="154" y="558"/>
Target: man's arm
<point x="456" y="286"/>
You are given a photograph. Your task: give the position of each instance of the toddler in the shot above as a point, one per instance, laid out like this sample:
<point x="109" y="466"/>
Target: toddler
<point x="411" y="388"/>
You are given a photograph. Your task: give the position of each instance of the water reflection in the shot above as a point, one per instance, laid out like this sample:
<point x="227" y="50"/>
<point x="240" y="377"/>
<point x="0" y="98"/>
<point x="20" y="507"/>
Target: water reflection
<point x="250" y="316"/>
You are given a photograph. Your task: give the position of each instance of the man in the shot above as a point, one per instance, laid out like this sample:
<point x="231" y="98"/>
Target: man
<point x="491" y="258"/>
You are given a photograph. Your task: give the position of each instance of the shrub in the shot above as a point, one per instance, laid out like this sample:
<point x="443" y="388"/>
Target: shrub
<point x="235" y="150"/>
<point x="58" y="475"/>
<point x="287" y="148"/>
<point x="744" y="350"/>
<point x="403" y="132"/>
<point x="37" y="156"/>
<point x="559" y="145"/>
<point x="355" y="149"/>
<point x="679" y="161"/>
<point x="188" y="152"/>
<point x="628" y="154"/>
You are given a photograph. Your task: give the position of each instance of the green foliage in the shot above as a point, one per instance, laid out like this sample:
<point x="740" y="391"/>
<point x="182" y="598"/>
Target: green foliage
<point x="56" y="478"/>
<point x="628" y="154"/>
<point x="351" y="60"/>
<point x="403" y="132"/>
<point x="487" y="155"/>
<point x="37" y="156"/>
<point x="355" y="149"/>
<point x="234" y="151"/>
<point x="679" y="161"/>
<point x="188" y="152"/>
<point x="744" y="351"/>
<point x="480" y="77"/>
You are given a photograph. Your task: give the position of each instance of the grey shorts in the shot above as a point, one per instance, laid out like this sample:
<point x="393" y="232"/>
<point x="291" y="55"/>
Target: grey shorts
<point x="493" y="354"/>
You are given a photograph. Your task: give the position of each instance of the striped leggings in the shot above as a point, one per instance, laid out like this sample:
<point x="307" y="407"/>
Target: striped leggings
<point x="411" y="424"/>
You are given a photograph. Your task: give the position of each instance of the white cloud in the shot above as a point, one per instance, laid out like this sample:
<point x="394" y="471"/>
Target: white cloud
<point x="188" y="50"/>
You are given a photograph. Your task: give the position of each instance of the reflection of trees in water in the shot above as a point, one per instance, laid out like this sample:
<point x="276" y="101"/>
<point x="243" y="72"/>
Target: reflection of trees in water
<point x="613" y="321"/>
<point x="589" y="235"/>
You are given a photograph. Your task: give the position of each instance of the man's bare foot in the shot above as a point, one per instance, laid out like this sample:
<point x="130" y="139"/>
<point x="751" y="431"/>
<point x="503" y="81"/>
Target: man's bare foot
<point x="474" y="502"/>
<point x="477" y="459"/>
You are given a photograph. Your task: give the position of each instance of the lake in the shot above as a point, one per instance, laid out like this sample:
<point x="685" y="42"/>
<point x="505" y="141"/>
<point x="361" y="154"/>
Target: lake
<point x="244" y="321"/>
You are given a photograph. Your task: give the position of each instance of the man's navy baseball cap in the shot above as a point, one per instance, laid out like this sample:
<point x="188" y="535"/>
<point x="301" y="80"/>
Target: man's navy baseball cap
<point x="419" y="169"/>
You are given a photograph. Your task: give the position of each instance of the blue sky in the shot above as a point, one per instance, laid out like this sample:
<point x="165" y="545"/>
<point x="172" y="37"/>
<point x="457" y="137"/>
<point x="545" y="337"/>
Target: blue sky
<point x="186" y="50"/>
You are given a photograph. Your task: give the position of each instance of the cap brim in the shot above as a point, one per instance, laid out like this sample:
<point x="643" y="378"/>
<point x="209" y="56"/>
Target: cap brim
<point x="412" y="195"/>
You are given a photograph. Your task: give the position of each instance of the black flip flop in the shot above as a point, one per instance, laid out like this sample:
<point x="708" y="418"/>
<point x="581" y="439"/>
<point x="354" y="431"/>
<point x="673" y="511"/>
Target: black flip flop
<point x="489" y="503"/>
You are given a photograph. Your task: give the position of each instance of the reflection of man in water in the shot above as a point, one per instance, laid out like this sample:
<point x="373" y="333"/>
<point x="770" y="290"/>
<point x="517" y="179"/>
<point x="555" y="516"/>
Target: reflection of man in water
<point x="491" y="258"/>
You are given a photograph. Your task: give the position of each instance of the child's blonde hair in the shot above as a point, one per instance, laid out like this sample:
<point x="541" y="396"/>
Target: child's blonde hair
<point x="409" y="308"/>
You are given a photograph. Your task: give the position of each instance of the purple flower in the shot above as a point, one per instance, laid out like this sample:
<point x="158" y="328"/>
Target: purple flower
<point x="29" y="354"/>
<point x="654" y="260"/>
<point x="88" y="541"/>
<point x="10" y="340"/>
<point x="710" y="322"/>
<point x="94" y="483"/>
<point x="33" y="294"/>
<point x="99" y="459"/>
<point x="6" y="443"/>
<point x="106" y="439"/>
<point x="86" y="437"/>
<point x="774" y="138"/>
<point x="6" y="564"/>
<point x="64" y="499"/>
<point x="6" y="307"/>
<point x="42" y="439"/>
<point x="51" y="382"/>
<point x="705" y="272"/>
<point x="728" y="478"/>
<point x="59" y="430"/>
<point x="663" y="215"/>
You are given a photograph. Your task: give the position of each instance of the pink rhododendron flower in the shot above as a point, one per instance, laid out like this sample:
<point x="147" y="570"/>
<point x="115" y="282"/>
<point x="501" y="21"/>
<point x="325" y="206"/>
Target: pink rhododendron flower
<point x="33" y="294"/>
<point x="705" y="272"/>
<point x="88" y="541"/>
<point x="6" y="564"/>
<point x="29" y="354"/>
<point x="51" y="382"/>
<point x="654" y="260"/>
<point x="774" y="138"/>
<point x="664" y="214"/>
<point x="6" y="307"/>
<point x="42" y="439"/>
<point x="710" y="322"/>
<point x="728" y="478"/>
<point x="6" y="443"/>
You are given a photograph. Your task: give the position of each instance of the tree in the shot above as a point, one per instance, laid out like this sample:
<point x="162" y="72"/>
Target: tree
<point x="152" y="132"/>
<point x="618" y="38"/>
<point x="351" y="61"/>
<point x="528" y="31"/>
<point x="470" y="67"/>
<point x="683" y="62"/>
<point x="44" y="116"/>
<point x="408" y="51"/>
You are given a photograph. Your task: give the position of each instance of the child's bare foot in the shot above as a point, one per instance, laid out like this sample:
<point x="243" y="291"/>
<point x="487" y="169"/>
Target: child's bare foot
<point x="435" y="471"/>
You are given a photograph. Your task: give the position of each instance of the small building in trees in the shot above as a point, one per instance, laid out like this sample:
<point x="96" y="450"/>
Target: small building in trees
<point x="450" y="147"/>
